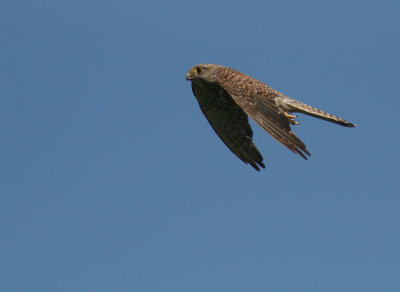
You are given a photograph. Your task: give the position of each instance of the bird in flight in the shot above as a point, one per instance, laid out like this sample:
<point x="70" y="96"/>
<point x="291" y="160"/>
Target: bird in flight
<point x="227" y="97"/>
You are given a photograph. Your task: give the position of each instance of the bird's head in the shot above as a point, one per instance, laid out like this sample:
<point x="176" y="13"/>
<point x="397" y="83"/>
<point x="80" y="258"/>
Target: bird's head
<point x="206" y="72"/>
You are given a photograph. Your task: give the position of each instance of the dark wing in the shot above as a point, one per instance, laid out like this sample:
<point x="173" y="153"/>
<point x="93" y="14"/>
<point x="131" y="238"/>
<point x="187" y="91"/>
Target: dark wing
<point x="229" y="121"/>
<point x="261" y="103"/>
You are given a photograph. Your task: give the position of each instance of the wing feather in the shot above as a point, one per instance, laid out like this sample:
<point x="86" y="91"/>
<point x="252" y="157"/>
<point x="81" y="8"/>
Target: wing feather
<point x="229" y="121"/>
<point x="260" y="102"/>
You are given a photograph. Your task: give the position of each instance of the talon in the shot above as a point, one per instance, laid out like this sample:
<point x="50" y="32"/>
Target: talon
<point x="292" y="118"/>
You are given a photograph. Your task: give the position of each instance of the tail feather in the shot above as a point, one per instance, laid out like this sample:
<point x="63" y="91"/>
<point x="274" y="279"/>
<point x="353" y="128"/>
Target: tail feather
<point x="298" y="106"/>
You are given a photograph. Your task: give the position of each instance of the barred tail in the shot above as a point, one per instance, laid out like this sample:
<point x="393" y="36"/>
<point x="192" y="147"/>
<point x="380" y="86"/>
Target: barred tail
<point x="297" y="106"/>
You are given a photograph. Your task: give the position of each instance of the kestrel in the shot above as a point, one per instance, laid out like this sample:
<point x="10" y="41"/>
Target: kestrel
<point x="227" y="97"/>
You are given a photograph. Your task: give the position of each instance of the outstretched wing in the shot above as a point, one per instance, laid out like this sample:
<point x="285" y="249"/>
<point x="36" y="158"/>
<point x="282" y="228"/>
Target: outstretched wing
<point x="229" y="121"/>
<point x="262" y="103"/>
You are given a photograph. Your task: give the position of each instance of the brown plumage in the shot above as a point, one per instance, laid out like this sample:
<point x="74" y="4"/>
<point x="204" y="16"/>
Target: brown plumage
<point x="227" y="97"/>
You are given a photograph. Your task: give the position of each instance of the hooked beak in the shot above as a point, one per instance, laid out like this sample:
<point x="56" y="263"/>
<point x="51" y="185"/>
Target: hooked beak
<point x="189" y="76"/>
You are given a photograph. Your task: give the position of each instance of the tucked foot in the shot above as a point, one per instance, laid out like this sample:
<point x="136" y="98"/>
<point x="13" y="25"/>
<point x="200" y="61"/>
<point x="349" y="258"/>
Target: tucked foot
<point x="291" y="118"/>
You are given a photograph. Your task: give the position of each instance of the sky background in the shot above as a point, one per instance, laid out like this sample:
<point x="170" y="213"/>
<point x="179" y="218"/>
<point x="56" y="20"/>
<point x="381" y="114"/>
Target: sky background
<point x="111" y="179"/>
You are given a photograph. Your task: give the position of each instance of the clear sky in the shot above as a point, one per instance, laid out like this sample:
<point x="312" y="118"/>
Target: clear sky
<point x="111" y="179"/>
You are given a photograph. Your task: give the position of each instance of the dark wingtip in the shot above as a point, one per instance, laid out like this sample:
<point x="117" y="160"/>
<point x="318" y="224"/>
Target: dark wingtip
<point x="302" y="151"/>
<point x="255" y="166"/>
<point x="261" y="164"/>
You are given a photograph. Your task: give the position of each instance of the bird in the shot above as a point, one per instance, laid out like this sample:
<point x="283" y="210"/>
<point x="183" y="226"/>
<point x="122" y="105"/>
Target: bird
<point x="227" y="97"/>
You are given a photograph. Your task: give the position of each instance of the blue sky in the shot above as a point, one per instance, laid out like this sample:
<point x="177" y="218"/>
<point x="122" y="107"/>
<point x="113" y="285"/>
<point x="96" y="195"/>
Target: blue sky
<point x="112" y="180"/>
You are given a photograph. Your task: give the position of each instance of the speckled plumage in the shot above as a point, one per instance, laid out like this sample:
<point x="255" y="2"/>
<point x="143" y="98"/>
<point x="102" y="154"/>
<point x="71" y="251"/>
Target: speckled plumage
<point x="227" y="97"/>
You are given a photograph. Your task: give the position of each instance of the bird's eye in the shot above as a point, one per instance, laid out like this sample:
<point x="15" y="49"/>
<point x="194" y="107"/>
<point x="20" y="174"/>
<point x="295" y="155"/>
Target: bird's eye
<point x="198" y="70"/>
